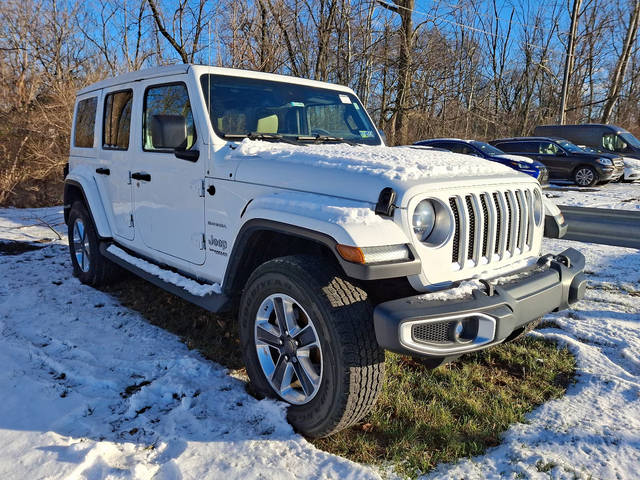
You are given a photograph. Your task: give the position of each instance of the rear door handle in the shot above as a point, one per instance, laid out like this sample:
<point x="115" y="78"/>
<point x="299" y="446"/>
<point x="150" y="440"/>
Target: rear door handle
<point x="141" y="176"/>
<point x="103" y="171"/>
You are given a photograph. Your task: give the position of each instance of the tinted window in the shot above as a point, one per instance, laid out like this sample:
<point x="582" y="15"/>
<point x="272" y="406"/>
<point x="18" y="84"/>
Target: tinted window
<point x="117" y="120"/>
<point x="241" y="106"/>
<point x="168" y="119"/>
<point x="519" y="147"/>
<point x="85" y="122"/>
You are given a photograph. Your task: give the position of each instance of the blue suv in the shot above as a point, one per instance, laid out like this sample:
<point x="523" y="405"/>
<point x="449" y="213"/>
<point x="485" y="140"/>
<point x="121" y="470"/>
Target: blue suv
<point x="483" y="150"/>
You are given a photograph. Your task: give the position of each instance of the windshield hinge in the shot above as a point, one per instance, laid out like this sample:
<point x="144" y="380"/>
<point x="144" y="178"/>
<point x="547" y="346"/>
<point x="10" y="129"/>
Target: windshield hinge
<point x="202" y="187"/>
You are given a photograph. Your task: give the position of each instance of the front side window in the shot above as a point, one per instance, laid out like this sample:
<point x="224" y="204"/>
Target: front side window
<point x="85" y="122"/>
<point x="117" y="120"/>
<point x="548" y="148"/>
<point x="245" y="106"/>
<point x="168" y="119"/>
<point x="619" y="142"/>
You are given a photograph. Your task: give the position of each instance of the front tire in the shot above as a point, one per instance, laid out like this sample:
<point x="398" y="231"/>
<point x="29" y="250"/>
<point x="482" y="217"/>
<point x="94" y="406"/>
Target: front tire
<point x="89" y="265"/>
<point x="307" y="338"/>
<point x="585" y="176"/>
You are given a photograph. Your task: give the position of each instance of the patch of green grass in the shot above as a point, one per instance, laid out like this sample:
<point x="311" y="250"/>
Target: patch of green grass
<point x="425" y="417"/>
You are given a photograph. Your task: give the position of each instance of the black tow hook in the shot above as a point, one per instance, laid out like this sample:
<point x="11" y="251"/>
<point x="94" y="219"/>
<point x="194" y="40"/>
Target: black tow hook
<point x="489" y="288"/>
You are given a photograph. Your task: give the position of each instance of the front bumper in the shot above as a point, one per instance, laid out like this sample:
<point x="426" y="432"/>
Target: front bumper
<point x="610" y="174"/>
<point x="414" y="327"/>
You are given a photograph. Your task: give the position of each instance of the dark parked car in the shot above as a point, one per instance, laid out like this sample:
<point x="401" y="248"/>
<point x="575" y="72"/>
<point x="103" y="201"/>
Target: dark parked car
<point x="484" y="150"/>
<point x="601" y="137"/>
<point x="565" y="160"/>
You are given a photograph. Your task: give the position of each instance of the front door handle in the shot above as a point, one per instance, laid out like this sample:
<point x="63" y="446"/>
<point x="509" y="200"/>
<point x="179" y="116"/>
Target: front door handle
<point x="103" y="171"/>
<point x="141" y="176"/>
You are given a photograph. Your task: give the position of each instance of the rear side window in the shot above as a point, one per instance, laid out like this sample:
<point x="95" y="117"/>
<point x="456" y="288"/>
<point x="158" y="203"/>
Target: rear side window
<point x="117" y="120"/>
<point x="85" y="122"/>
<point x="168" y="120"/>
<point x="517" y="147"/>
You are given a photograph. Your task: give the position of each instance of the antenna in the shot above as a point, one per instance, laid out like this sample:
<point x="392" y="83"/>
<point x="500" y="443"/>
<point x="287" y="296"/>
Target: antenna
<point x="209" y="98"/>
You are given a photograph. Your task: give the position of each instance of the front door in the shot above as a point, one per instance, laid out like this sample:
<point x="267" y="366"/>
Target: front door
<point x="168" y="193"/>
<point x="554" y="158"/>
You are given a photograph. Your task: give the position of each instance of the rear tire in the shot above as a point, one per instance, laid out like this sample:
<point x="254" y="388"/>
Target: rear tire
<point x="89" y="265"/>
<point x="345" y="363"/>
<point x="585" y="176"/>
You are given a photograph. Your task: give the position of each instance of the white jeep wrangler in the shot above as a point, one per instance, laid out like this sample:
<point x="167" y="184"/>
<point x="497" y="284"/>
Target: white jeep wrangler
<point x="276" y="196"/>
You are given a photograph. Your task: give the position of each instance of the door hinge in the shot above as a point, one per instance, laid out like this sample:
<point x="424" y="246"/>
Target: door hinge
<point x="203" y="245"/>
<point x="131" y="224"/>
<point x="129" y="183"/>
<point x="202" y="188"/>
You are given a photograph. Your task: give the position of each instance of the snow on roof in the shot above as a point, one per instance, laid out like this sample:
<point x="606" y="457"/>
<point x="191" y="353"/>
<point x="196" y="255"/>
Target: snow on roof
<point x="398" y="163"/>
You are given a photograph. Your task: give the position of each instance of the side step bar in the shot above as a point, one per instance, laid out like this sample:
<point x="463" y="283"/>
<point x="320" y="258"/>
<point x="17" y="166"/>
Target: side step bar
<point x="212" y="302"/>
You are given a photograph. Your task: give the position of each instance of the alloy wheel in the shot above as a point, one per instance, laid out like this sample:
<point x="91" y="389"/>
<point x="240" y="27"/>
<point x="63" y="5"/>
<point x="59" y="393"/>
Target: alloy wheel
<point x="288" y="349"/>
<point x="81" y="248"/>
<point x="584" y="177"/>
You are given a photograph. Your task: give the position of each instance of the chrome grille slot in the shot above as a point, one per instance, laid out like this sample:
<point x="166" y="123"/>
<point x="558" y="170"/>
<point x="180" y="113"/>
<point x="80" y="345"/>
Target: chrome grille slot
<point x="485" y="224"/>
<point x="499" y="226"/>
<point x="472" y="227"/>
<point x="491" y="226"/>
<point x="455" y="255"/>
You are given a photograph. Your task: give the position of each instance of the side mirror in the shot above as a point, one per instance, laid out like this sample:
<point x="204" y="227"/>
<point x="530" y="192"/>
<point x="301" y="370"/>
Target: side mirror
<point x="184" y="154"/>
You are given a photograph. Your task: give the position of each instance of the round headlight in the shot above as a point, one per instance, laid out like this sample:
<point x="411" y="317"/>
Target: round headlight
<point x="538" y="207"/>
<point x="424" y="219"/>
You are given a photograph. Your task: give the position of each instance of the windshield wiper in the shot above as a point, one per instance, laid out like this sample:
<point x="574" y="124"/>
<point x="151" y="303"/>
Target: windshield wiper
<point x="324" y="139"/>
<point x="268" y="137"/>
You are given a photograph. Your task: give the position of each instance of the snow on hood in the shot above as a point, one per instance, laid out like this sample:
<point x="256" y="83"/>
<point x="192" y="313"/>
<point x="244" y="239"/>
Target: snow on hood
<point x="515" y="158"/>
<point x="329" y="209"/>
<point x="400" y="164"/>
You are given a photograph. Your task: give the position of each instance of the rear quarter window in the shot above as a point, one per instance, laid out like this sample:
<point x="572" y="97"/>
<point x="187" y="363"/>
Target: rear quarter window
<point x="85" y="122"/>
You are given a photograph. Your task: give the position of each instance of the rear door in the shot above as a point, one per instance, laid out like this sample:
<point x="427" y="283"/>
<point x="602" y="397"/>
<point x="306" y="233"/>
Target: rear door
<point x="168" y="191"/>
<point x="112" y="175"/>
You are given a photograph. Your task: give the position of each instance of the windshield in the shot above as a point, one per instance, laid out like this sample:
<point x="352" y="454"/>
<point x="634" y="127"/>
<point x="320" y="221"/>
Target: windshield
<point x="630" y="139"/>
<point x="486" y="148"/>
<point x="569" y="146"/>
<point x="249" y="107"/>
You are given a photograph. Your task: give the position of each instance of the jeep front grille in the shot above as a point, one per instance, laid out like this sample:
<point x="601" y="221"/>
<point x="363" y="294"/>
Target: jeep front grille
<point x="491" y="227"/>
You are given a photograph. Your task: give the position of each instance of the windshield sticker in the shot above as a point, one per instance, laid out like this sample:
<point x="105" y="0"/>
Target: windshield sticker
<point x="366" y="133"/>
<point x="344" y="98"/>
<point x="297" y="104"/>
<point x="356" y="106"/>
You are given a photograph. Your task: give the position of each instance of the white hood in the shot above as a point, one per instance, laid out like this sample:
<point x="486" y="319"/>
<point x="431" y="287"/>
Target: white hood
<point x="356" y="172"/>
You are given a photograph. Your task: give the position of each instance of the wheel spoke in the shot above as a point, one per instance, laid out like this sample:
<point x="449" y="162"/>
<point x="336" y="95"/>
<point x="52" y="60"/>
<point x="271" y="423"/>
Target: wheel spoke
<point x="278" y="373"/>
<point x="265" y="336"/>
<point x="306" y="337"/>
<point x="303" y="376"/>
<point x="284" y="315"/>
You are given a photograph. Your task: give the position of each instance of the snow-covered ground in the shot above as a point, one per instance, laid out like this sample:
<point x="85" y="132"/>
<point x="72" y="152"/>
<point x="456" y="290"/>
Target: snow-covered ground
<point x="91" y="390"/>
<point x="619" y="196"/>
